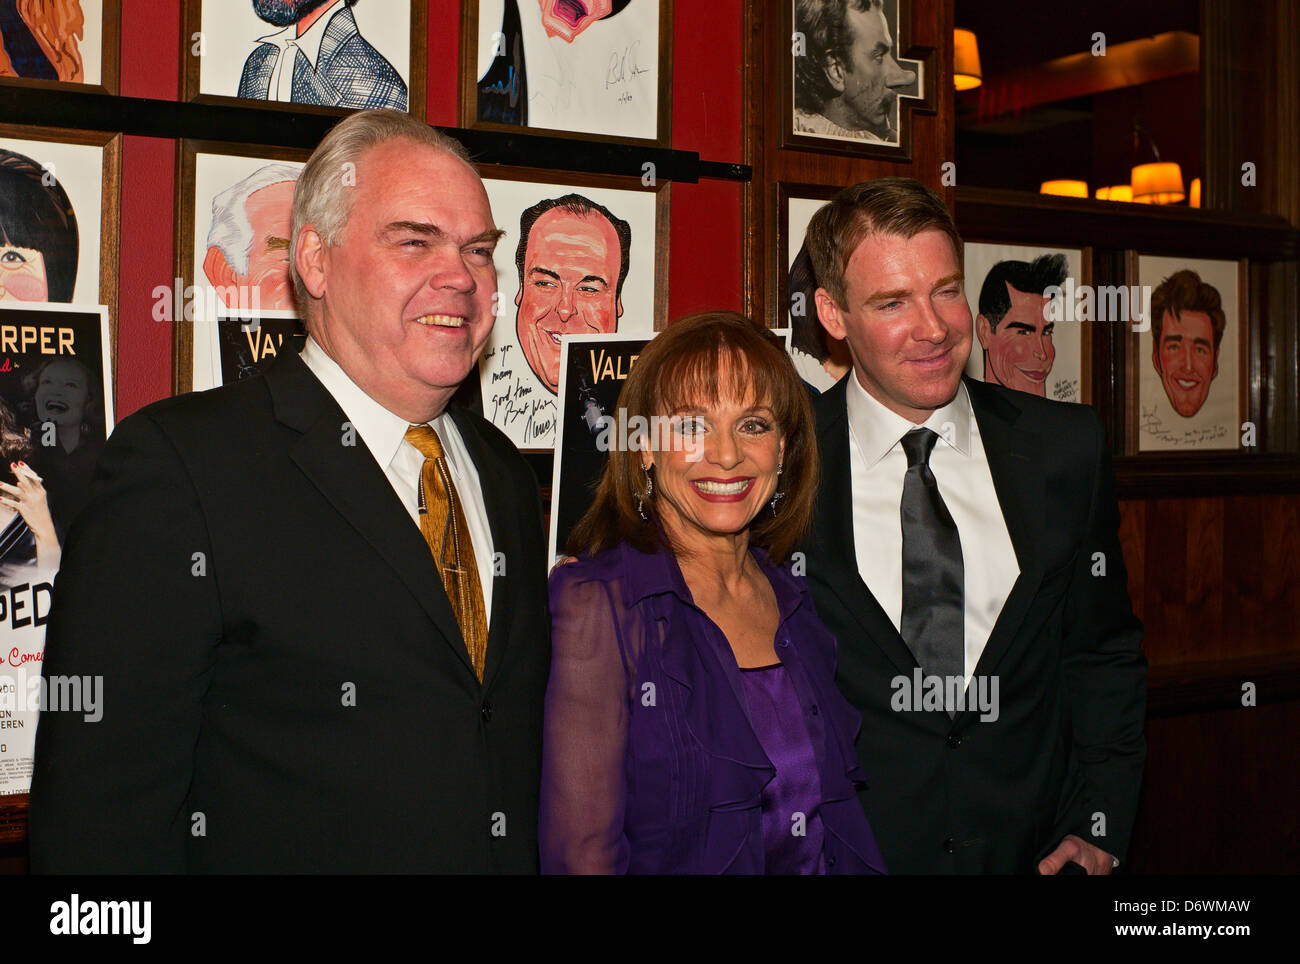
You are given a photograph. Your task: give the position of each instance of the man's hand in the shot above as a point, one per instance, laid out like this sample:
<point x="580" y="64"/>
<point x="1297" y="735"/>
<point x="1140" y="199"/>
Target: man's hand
<point x="1092" y="859"/>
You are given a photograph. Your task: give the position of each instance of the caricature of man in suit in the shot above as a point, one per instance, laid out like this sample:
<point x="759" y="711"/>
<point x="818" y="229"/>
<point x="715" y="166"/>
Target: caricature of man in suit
<point x="319" y="57"/>
<point x="965" y="553"/>
<point x="310" y="662"/>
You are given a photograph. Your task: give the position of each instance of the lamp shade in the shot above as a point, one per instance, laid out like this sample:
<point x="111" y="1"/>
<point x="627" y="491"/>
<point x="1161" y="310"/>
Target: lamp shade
<point x="966" y="73"/>
<point x="1195" y="200"/>
<point x="1065" y="188"/>
<point x="1116" y="192"/>
<point x="1158" y="183"/>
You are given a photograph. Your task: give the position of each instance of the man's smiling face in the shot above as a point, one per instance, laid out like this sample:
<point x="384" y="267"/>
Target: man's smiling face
<point x="1019" y="351"/>
<point x="571" y="269"/>
<point x="1186" y="359"/>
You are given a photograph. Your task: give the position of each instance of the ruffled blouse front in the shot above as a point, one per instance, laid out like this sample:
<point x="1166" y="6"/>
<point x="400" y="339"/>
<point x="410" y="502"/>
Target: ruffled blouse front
<point x="660" y="757"/>
<point x="791" y="818"/>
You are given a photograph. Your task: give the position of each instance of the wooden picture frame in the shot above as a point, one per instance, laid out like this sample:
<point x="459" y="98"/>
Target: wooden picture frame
<point x="493" y="370"/>
<point x="193" y="293"/>
<point x="804" y="126"/>
<point x="1135" y="361"/>
<point x="110" y="47"/>
<point x="194" y="47"/>
<point x="1087" y="330"/>
<point x="110" y="189"/>
<point x="1265" y="247"/>
<point x="618" y="66"/>
<point x="820" y="360"/>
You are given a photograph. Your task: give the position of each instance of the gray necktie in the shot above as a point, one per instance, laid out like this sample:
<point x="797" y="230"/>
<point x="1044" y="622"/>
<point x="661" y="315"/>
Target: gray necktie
<point x="933" y="623"/>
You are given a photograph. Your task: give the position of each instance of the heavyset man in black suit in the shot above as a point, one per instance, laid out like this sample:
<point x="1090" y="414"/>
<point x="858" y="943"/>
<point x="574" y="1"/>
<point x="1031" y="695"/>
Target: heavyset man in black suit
<point x="285" y="682"/>
<point x="1011" y="577"/>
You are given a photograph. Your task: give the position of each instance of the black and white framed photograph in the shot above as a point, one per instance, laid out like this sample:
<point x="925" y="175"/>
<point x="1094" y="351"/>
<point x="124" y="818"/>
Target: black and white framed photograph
<point x="581" y="255"/>
<point x="307" y="54"/>
<point x="854" y="78"/>
<point x="599" y="69"/>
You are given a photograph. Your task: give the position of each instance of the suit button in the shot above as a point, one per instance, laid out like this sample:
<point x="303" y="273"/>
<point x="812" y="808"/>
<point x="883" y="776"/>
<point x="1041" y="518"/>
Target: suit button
<point x="954" y="740"/>
<point x="830" y="861"/>
<point x="486" y="712"/>
<point x="948" y="845"/>
<point x="813" y="709"/>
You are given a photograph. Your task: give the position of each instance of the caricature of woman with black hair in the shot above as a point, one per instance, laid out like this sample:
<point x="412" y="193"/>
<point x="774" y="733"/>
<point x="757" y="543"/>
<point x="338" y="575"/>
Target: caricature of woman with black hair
<point x="38" y="233"/>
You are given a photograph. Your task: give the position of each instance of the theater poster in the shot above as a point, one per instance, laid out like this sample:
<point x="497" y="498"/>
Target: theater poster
<point x="593" y="369"/>
<point x="244" y="344"/>
<point x="56" y="409"/>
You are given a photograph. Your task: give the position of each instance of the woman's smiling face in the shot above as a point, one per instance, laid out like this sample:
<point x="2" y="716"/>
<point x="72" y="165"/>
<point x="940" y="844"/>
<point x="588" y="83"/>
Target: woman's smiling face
<point x="721" y="468"/>
<point x="62" y="394"/>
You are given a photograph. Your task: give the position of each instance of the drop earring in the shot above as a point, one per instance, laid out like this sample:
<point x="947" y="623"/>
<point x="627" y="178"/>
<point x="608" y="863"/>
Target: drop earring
<point x="778" y="495"/>
<point x="644" y="497"/>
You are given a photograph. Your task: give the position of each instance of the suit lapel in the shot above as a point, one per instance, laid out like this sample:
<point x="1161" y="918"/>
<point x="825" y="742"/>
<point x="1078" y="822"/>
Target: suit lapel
<point x="323" y="92"/>
<point x="492" y="473"/>
<point x="1015" y="462"/>
<point x="834" y="530"/>
<point x="354" y="484"/>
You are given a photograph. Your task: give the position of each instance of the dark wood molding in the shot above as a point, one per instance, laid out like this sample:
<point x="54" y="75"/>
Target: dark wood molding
<point x="1016" y="216"/>
<point x="277" y="127"/>
<point x="1206" y="687"/>
<point x="1188" y="474"/>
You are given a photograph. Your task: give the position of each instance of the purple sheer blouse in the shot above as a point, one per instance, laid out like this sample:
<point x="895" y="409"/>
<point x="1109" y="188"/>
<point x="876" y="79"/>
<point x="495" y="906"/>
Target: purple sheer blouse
<point x="651" y="760"/>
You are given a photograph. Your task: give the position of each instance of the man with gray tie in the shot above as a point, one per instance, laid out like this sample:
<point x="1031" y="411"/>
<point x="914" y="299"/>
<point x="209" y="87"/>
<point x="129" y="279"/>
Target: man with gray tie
<point x="965" y="553"/>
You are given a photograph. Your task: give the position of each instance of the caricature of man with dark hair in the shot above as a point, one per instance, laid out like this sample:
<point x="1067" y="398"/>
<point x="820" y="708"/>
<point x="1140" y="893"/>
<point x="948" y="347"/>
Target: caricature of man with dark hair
<point x="1012" y="325"/>
<point x="573" y="256"/>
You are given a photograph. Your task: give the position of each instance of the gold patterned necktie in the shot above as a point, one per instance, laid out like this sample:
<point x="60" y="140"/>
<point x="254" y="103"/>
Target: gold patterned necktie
<point x="442" y="521"/>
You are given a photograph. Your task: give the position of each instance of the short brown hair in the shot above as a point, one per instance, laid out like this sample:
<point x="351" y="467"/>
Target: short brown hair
<point x="901" y="206"/>
<point x="1185" y="291"/>
<point x="682" y="367"/>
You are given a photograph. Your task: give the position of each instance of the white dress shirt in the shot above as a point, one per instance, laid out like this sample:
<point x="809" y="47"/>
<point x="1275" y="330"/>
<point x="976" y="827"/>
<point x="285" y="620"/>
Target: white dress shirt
<point x="281" y="85"/>
<point x="961" y="470"/>
<point x="384" y="435"/>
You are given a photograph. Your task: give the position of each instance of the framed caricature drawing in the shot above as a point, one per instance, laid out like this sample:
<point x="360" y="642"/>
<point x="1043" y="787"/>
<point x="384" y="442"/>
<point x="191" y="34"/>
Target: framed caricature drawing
<point x="1019" y="340"/>
<point x="1188" y="390"/>
<point x="600" y="69"/>
<point x="59" y="216"/>
<point x="306" y="54"/>
<point x="234" y="206"/>
<point x="581" y="255"/>
<point x="68" y="44"/>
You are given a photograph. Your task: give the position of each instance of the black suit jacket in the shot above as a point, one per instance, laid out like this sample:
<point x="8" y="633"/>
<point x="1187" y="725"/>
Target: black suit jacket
<point x="1065" y="753"/>
<point x="285" y="687"/>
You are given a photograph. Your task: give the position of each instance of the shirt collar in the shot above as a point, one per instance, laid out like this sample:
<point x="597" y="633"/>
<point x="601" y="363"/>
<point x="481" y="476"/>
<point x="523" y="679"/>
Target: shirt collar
<point x="381" y="430"/>
<point x="657" y="573"/>
<point x="876" y="429"/>
<point x="309" y="43"/>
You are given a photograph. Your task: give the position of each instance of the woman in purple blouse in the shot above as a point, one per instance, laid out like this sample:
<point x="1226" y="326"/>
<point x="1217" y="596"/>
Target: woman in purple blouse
<point x="692" y="720"/>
